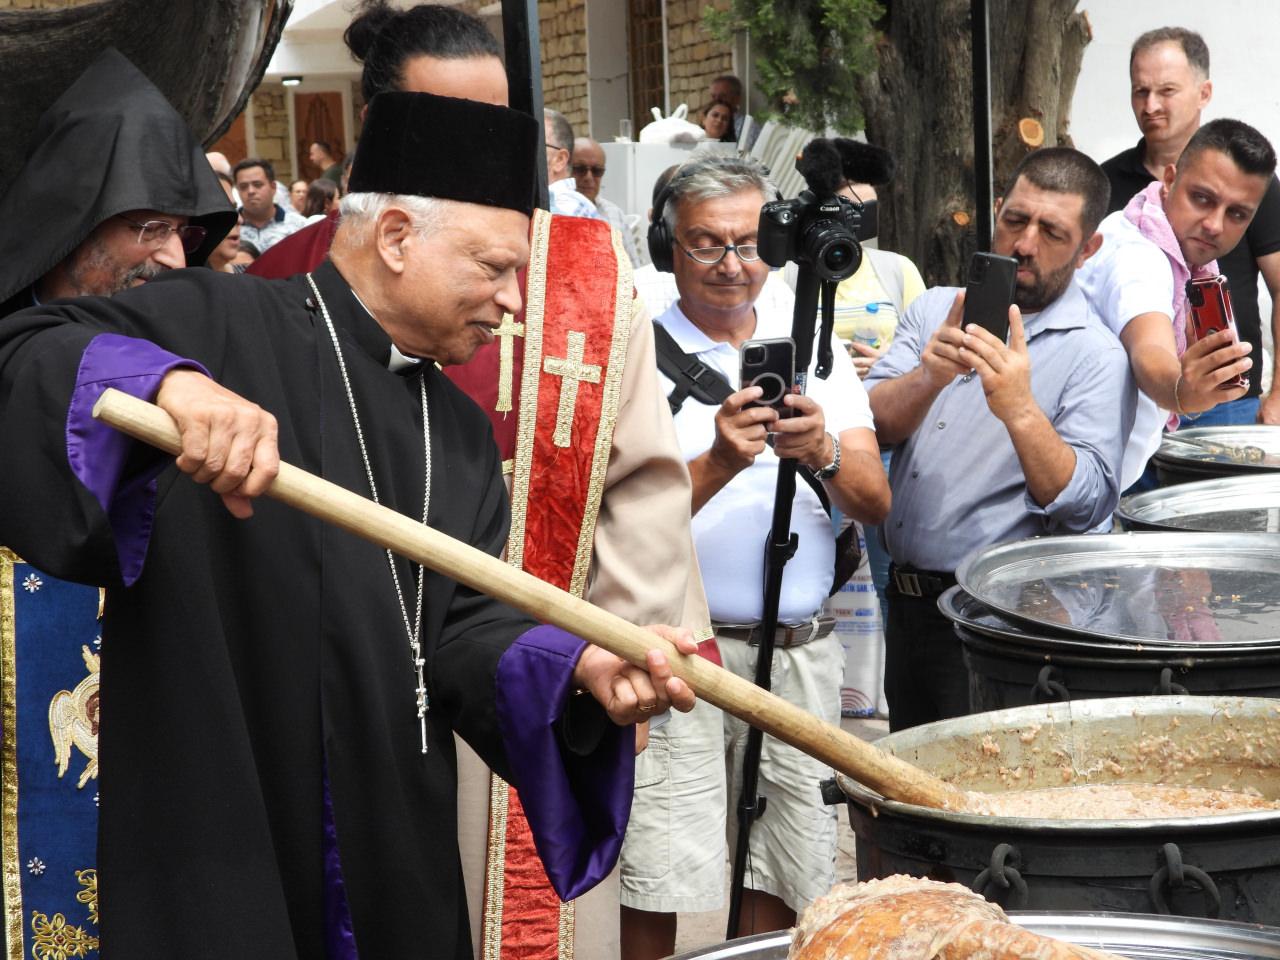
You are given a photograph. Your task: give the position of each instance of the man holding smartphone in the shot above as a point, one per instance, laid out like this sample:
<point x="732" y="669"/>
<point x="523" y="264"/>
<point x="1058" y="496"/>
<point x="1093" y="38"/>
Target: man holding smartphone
<point x="705" y="232"/>
<point x="996" y="441"/>
<point x="1175" y="229"/>
<point x="1169" y="88"/>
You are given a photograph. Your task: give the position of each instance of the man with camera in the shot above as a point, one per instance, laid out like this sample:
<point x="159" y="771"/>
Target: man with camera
<point x="996" y="441"/>
<point x="705" y="231"/>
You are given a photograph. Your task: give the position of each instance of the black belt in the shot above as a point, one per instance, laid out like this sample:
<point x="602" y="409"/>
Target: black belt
<point x="921" y="583"/>
<point x="785" y="637"/>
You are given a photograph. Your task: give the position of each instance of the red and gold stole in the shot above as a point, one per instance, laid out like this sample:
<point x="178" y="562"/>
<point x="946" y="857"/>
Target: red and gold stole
<point x="558" y="368"/>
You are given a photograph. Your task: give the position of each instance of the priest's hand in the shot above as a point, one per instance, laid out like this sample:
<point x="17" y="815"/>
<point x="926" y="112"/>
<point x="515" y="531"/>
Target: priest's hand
<point x="227" y="441"/>
<point x="631" y="694"/>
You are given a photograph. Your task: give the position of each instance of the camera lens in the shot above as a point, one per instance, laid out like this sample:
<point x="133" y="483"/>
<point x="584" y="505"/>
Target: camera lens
<point x="753" y="356"/>
<point x="837" y="257"/>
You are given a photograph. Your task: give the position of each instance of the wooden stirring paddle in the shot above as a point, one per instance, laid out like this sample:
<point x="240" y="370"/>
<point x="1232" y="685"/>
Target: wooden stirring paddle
<point x="891" y="777"/>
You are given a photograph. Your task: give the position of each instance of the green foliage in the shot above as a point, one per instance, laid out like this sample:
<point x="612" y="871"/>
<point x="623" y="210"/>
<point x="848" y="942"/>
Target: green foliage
<point x="806" y="56"/>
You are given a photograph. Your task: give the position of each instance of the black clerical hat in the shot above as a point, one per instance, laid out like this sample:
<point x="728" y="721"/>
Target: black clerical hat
<point x="865" y="162"/>
<point x="429" y="146"/>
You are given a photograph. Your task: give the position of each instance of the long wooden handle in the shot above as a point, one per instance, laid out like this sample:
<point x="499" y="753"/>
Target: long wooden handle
<point x="892" y="777"/>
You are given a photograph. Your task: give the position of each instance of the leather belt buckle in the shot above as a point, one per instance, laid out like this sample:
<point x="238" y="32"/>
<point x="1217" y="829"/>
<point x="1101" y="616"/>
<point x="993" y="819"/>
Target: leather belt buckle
<point x="908" y="583"/>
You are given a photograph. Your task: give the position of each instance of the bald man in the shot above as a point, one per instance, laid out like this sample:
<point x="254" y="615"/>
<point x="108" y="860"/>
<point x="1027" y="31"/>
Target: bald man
<point x="588" y="167"/>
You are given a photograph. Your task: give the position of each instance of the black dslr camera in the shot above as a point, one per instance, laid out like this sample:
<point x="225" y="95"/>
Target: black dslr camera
<point x="821" y="233"/>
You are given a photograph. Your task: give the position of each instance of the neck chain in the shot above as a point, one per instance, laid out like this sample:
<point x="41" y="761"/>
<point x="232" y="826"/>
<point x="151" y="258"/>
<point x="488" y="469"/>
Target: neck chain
<point x="412" y="628"/>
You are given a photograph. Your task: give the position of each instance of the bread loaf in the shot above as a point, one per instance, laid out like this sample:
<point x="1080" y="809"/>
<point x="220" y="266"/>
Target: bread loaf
<point x="907" y="918"/>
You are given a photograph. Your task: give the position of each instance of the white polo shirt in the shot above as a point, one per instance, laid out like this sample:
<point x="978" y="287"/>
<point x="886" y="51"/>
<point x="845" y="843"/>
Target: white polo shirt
<point x="730" y="532"/>
<point x="1127" y="277"/>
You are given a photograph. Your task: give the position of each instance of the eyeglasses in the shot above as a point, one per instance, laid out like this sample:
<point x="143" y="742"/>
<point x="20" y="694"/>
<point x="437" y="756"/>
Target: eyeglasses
<point x="747" y="253"/>
<point x="582" y="169"/>
<point x="157" y="232"/>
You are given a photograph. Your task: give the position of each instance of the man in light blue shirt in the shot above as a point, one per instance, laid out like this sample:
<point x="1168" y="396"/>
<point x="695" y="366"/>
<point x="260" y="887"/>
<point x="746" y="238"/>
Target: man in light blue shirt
<point x="994" y="441"/>
<point x="562" y="191"/>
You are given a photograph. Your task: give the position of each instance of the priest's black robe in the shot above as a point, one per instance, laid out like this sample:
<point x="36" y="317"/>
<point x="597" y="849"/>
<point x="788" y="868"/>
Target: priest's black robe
<point x="251" y="660"/>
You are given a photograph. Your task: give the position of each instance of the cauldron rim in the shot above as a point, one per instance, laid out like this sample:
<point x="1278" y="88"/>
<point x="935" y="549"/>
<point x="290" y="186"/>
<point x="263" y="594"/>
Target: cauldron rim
<point x="1100" y="709"/>
<point x="1130" y="509"/>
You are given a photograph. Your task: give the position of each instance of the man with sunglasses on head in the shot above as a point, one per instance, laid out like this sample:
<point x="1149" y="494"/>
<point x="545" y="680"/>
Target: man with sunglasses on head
<point x="147" y="202"/>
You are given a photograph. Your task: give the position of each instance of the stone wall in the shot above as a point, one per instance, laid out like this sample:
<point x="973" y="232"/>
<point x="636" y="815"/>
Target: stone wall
<point x="694" y="57"/>
<point x="563" y="28"/>
<point x="271" y="129"/>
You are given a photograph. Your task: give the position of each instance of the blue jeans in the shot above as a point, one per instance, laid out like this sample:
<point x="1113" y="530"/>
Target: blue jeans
<point x="1232" y="413"/>
<point x="878" y="559"/>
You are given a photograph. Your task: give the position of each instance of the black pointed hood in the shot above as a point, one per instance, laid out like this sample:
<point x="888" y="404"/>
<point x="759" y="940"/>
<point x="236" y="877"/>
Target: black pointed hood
<point x="109" y="144"/>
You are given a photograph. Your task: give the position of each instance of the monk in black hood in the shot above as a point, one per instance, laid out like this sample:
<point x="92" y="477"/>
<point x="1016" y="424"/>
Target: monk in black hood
<point x="115" y="190"/>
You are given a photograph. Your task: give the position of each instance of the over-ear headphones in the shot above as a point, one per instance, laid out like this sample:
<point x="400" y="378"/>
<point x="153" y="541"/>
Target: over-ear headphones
<point x="661" y="240"/>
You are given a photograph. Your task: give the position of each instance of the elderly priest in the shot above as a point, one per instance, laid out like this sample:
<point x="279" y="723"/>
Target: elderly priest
<point x="277" y="712"/>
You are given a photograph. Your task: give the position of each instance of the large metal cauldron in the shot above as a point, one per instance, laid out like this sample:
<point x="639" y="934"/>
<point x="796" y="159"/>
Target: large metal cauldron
<point x="1224" y="505"/>
<point x="1128" y="935"/>
<point x="1015" y="665"/>
<point x="1221" y="866"/>
<point x="1205" y="452"/>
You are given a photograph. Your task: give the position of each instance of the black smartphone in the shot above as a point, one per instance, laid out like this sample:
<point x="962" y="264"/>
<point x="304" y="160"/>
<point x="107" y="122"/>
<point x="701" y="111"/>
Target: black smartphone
<point x="1210" y="301"/>
<point x="771" y="366"/>
<point x="989" y="292"/>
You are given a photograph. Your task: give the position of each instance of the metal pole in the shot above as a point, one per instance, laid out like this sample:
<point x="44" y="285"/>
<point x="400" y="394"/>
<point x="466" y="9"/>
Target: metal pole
<point x="523" y="46"/>
<point x="982" y="171"/>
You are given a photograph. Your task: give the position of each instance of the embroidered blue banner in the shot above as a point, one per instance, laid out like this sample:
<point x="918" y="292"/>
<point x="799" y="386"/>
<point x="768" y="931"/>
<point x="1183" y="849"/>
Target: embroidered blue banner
<point x="50" y="641"/>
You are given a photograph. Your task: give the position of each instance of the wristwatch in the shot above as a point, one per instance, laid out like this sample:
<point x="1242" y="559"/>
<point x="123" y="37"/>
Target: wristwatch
<point x="832" y="468"/>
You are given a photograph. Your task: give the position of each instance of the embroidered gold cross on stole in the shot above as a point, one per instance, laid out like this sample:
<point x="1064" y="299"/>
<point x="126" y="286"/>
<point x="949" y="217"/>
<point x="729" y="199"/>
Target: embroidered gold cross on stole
<point x="572" y="370"/>
<point x="507" y="333"/>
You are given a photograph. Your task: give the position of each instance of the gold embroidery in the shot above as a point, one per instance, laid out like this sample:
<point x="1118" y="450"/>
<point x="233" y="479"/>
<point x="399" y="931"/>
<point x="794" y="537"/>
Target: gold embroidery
<point x="610" y="402"/>
<point x="55" y="939"/>
<point x="491" y="948"/>
<point x="102" y="601"/>
<point x="570" y="370"/>
<point x="89" y="895"/>
<point x="508" y="467"/>
<point x="507" y="333"/>
<point x="535" y="305"/>
<point x="73" y="720"/>
<point x="9" y="760"/>
<point x="565" y="938"/>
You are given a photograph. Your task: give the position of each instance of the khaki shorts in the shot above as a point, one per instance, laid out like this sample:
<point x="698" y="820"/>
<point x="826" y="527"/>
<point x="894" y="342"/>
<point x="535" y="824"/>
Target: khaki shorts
<point x="793" y="845"/>
<point x="673" y="856"/>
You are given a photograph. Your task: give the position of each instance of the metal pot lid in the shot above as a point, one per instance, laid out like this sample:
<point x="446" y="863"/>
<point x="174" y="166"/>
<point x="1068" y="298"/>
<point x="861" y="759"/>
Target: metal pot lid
<point x="1134" y="935"/>
<point x="1241" y="447"/>
<point x="1239" y="504"/>
<point x="974" y="619"/>
<point x="1150" y="589"/>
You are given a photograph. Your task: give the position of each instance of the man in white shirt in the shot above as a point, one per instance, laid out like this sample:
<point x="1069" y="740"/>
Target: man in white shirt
<point x="1174" y="229"/>
<point x="710" y="214"/>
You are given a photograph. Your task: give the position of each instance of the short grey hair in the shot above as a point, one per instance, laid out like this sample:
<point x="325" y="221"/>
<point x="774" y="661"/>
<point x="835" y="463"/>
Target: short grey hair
<point x="715" y="176"/>
<point x="561" y="130"/>
<point x="361" y="210"/>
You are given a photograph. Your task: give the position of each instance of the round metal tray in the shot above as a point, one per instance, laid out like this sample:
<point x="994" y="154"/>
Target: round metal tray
<point x="1157" y="589"/>
<point x="1240" y="504"/>
<point x="1245" y="448"/>
<point x="1133" y="935"/>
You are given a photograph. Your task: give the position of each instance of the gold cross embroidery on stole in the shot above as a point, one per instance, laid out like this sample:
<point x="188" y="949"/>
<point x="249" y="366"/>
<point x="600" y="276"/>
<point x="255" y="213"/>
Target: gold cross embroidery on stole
<point x="571" y="370"/>
<point x="506" y="333"/>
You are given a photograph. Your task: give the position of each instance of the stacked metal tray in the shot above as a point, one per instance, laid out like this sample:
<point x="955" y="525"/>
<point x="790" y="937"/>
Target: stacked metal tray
<point x="1203" y="452"/>
<point x="1136" y="936"/>
<point x="1243" y="504"/>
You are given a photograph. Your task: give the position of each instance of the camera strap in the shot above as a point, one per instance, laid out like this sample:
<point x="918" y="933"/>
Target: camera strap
<point x="693" y="378"/>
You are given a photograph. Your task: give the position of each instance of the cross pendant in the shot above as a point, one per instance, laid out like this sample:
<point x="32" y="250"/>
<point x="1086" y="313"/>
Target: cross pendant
<point x="418" y="664"/>
<point x="571" y="370"/>
<point x="506" y="333"/>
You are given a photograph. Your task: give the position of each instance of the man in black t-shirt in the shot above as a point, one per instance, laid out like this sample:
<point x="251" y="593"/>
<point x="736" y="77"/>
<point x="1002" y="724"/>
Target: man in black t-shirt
<point x="1169" y="87"/>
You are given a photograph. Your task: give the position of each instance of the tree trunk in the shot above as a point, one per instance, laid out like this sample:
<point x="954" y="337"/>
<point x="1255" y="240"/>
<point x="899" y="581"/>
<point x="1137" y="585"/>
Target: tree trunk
<point x="918" y="104"/>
